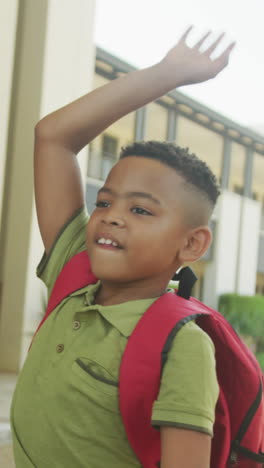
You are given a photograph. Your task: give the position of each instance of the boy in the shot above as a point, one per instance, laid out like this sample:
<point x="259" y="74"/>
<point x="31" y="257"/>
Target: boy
<point x="151" y="216"/>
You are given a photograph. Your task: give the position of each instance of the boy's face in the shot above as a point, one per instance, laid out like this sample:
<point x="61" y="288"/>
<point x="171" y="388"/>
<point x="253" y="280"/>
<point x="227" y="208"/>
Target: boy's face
<point x="140" y="209"/>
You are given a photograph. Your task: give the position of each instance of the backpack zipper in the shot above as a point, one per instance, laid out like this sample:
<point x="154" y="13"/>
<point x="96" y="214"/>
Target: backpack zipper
<point x="250" y="415"/>
<point x="235" y="446"/>
<point x="233" y="458"/>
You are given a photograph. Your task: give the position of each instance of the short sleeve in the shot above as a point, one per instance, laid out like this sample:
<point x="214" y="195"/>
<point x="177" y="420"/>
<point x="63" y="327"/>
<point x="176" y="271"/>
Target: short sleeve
<point x="189" y="388"/>
<point x="70" y="241"/>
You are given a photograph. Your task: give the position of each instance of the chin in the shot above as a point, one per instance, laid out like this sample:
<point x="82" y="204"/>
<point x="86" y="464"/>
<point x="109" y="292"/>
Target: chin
<point x="111" y="276"/>
<point x="102" y="272"/>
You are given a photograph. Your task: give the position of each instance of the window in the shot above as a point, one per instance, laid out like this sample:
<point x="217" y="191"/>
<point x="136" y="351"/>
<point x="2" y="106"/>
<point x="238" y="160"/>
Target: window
<point x="91" y="195"/>
<point x="258" y="176"/>
<point x="205" y="143"/>
<point x="109" y="154"/>
<point x="156" y="122"/>
<point x="237" y="168"/>
<point x="238" y="189"/>
<point x="110" y="145"/>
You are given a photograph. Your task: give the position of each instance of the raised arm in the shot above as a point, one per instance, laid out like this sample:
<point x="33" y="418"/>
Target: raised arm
<point x="62" y="134"/>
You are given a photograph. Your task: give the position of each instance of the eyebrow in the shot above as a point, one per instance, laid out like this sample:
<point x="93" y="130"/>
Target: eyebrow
<point x="130" y="194"/>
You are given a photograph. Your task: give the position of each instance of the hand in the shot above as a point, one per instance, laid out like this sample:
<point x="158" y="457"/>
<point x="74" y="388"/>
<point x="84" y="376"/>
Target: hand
<point x="188" y="65"/>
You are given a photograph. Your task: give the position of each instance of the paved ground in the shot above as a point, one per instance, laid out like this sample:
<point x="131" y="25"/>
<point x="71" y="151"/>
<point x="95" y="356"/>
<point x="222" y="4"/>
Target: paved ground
<point x="6" y="457"/>
<point x="7" y="385"/>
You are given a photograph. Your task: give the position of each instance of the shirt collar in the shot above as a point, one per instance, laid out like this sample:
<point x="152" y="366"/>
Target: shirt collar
<point x="123" y="317"/>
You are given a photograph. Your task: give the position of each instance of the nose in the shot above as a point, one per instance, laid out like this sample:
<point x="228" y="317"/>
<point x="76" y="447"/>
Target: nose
<point x="113" y="218"/>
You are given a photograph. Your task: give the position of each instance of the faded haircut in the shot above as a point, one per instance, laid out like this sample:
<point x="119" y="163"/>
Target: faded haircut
<point x="192" y="169"/>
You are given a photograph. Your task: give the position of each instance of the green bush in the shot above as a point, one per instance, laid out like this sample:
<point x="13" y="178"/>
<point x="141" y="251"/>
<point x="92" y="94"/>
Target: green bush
<point x="260" y="358"/>
<point x="246" y="315"/>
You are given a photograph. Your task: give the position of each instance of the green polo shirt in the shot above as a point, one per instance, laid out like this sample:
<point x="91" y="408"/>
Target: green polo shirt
<point x="65" y="411"/>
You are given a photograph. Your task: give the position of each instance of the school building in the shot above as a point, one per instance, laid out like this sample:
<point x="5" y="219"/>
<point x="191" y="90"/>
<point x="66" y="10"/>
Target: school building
<point x="48" y="59"/>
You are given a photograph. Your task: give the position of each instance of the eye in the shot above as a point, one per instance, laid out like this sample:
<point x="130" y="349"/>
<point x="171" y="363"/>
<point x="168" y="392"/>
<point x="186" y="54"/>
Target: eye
<point x="140" y="211"/>
<point x="102" y="204"/>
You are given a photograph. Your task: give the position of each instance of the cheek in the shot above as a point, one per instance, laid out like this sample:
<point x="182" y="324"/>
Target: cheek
<point x="90" y="231"/>
<point x="158" y="242"/>
<point x="161" y="233"/>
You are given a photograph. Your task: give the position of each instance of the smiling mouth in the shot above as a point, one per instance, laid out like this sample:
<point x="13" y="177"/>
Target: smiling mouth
<point x="107" y="243"/>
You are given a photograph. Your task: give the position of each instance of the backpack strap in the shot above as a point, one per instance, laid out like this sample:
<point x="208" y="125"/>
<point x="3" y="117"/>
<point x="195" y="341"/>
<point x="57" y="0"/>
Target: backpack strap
<point x="75" y="274"/>
<point x="186" y="278"/>
<point x="140" y="371"/>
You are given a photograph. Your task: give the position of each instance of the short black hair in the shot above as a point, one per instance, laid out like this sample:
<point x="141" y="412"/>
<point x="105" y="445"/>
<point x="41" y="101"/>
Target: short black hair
<point x="192" y="169"/>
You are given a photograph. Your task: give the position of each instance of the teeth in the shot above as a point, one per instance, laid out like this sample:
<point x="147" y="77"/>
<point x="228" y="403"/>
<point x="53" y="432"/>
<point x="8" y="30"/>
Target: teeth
<point x="107" y="242"/>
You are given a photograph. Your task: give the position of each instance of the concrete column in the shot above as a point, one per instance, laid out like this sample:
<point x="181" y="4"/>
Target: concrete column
<point x="53" y="65"/>
<point x="172" y="125"/>
<point x="8" y="24"/>
<point x="140" y="123"/>
<point x="226" y="163"/>
<point x="220" y="275"/>
<point x="247" y="192"/>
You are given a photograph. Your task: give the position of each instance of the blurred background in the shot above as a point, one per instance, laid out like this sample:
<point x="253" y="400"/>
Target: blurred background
<point x="53" y="51"/>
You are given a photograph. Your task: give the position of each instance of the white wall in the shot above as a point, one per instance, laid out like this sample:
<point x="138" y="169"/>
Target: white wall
<point x="234" y="264"/>
<point x="249" y="241"/>
<point x="220" y="275"/>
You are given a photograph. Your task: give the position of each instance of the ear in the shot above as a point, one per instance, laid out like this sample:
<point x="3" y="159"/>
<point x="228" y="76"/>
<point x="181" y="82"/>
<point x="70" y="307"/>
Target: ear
<point x="198" y="240"/>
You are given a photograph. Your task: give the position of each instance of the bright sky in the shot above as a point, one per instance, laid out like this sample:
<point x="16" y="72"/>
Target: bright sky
<point x="142" y="31"/>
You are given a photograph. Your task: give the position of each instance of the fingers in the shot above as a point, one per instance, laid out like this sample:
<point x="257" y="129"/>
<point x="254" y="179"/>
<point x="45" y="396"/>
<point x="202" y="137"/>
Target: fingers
<point x="201" y="41"/>
<point x="184" y="36"/>
<point x="222" y="60"/>
<point x="227" y="51"/>
<point x="211" y="49"/>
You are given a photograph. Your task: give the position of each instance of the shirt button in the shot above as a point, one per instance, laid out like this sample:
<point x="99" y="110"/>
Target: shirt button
<point x="60" y="348"/>
<point x="76" y="325"/>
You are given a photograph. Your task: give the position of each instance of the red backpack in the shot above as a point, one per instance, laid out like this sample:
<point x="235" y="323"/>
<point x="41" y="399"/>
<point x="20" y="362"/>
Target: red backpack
<point x="239" y="421"/>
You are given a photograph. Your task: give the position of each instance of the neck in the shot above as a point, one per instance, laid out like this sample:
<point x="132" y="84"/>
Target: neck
<point x="111" y="294"/>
